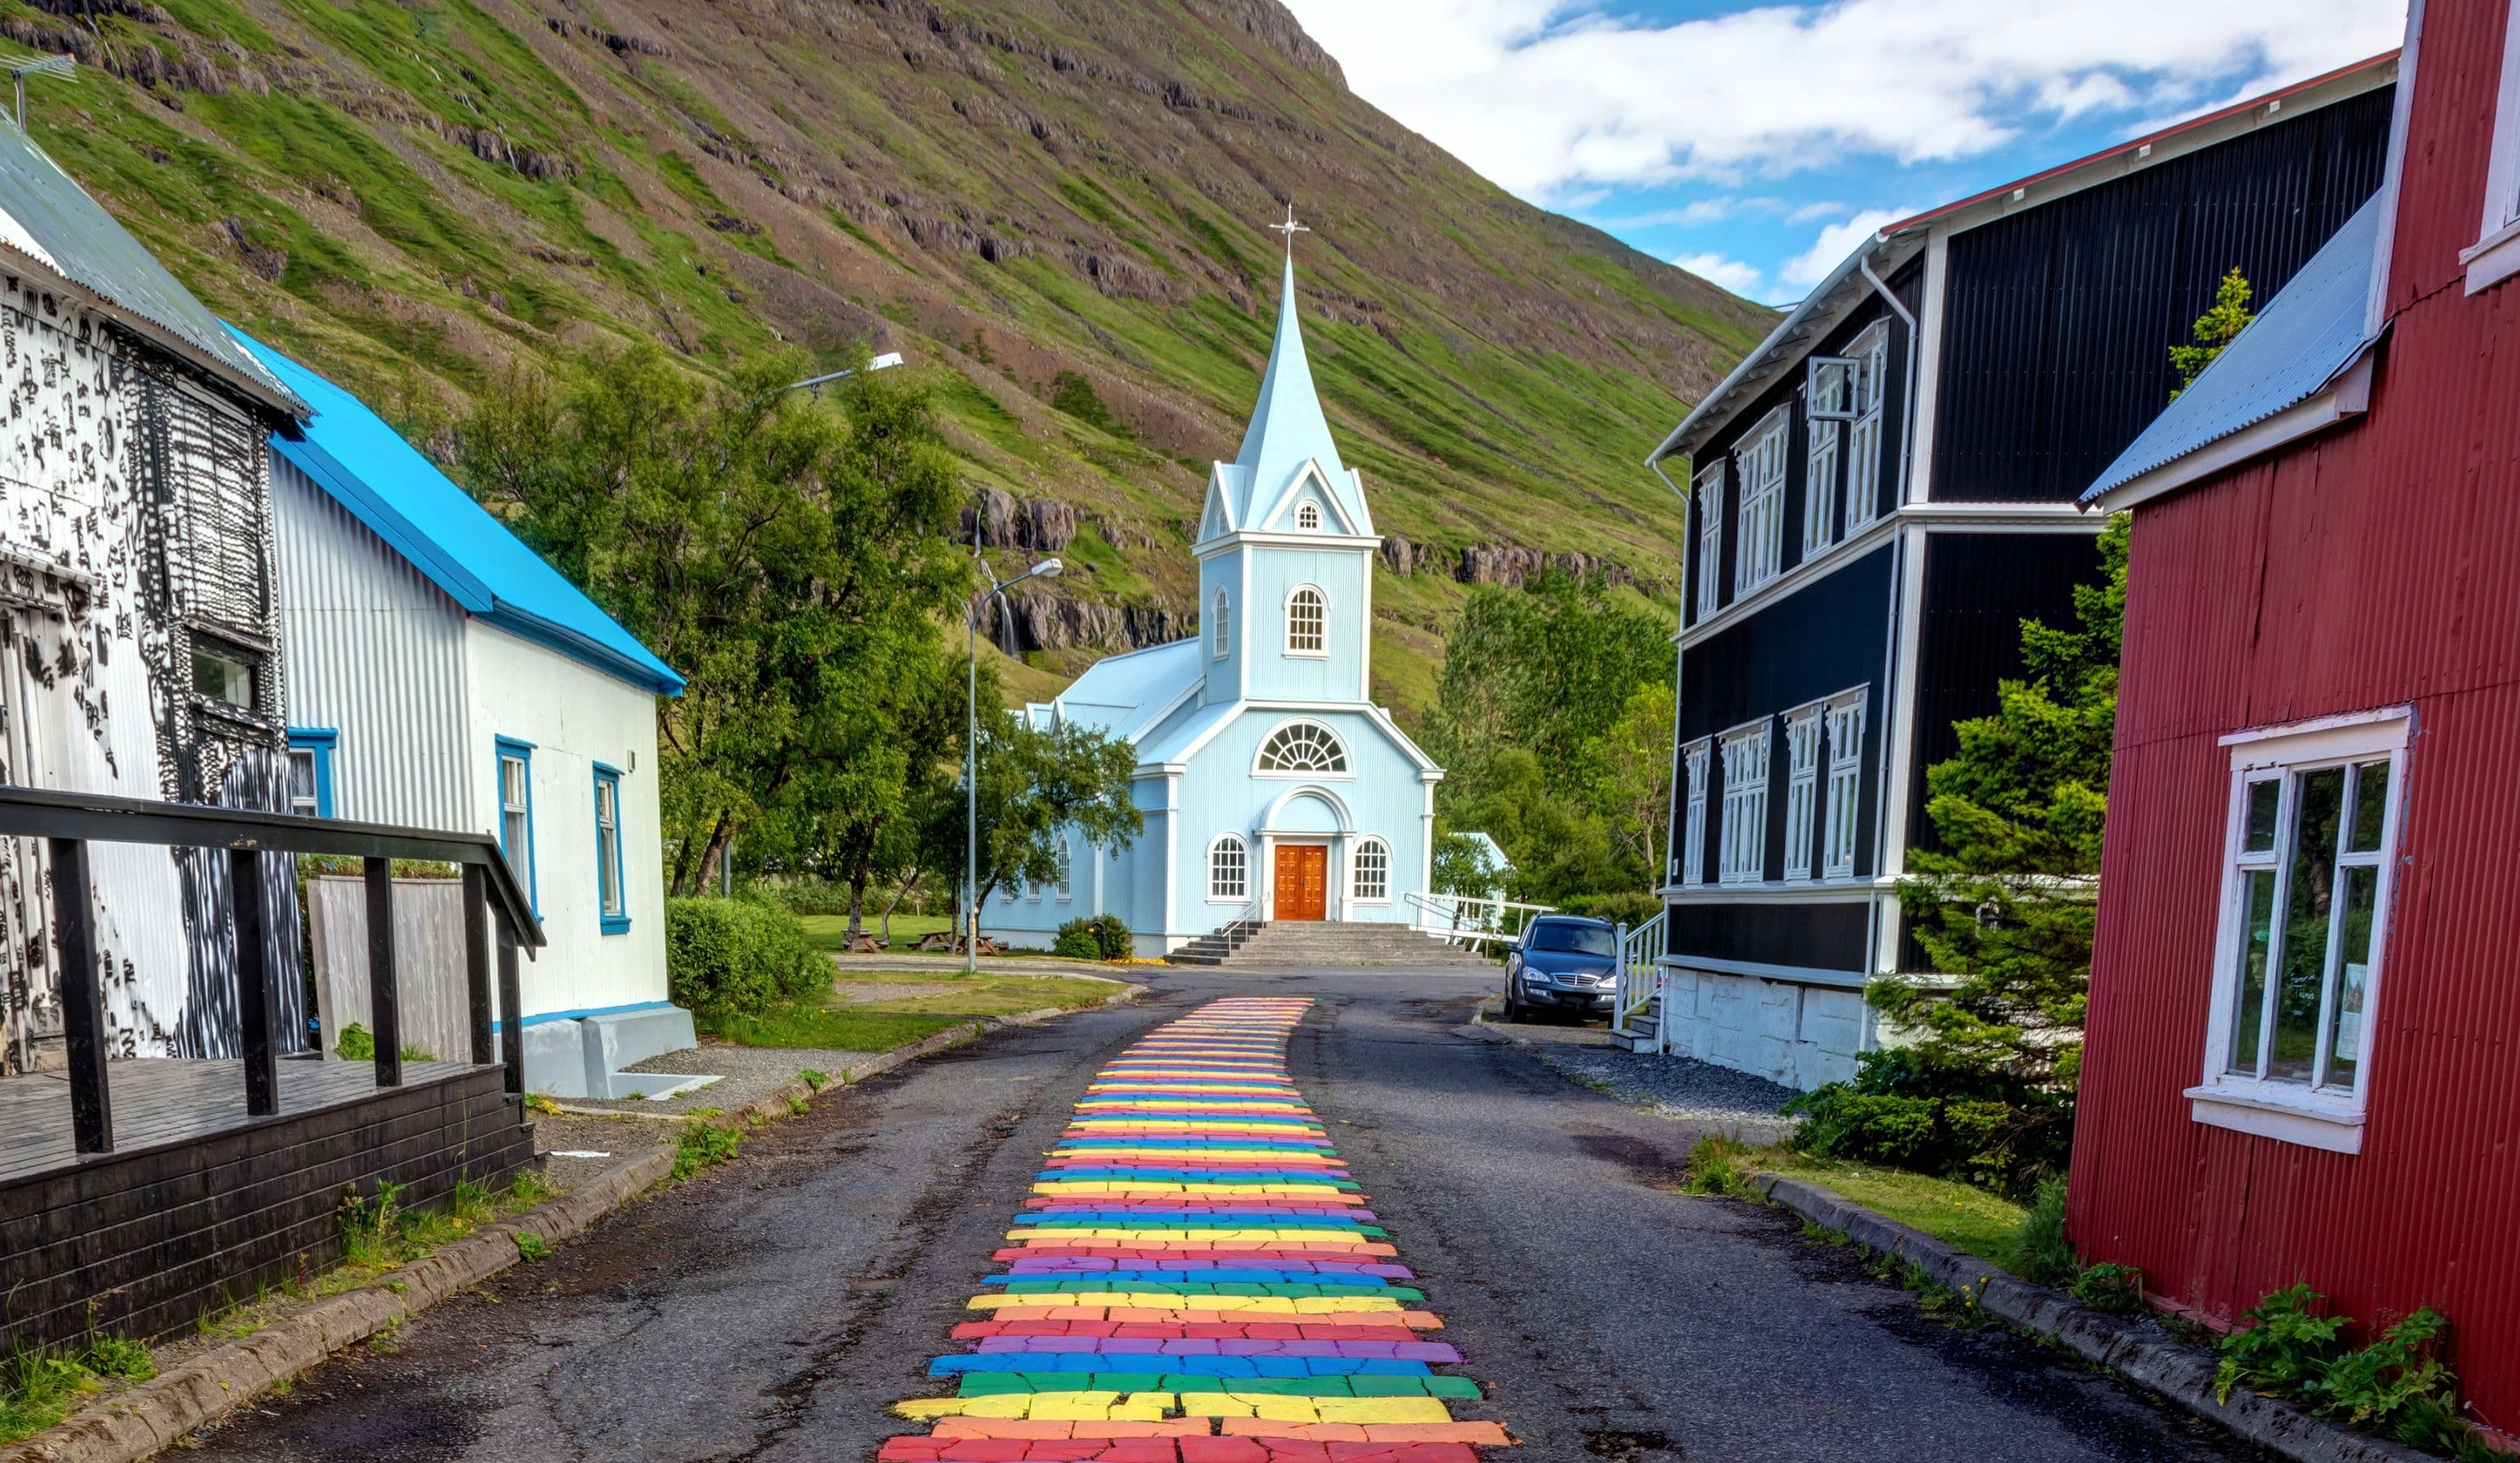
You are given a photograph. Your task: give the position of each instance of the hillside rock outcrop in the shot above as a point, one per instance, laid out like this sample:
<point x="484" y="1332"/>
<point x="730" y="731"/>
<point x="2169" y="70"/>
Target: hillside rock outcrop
<point x="1045" y="524"/>
<point x="1045" y="622"/>
<point x="1515" y="566"/>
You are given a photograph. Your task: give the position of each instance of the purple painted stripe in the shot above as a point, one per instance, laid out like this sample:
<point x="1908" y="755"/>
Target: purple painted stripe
<point x="1074" y="1265"/>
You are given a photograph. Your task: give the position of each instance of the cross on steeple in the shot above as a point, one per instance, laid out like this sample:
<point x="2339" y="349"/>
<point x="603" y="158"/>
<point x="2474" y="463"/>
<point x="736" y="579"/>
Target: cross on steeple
<point x="1290" y="229"/>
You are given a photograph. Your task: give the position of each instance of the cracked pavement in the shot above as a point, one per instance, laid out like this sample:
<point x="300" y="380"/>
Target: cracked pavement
<point x="772" y="1307"/>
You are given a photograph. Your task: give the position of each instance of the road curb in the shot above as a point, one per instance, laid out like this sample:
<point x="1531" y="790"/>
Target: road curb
<point x="2136" y="1350"/>
<point x="161" y="1412"/>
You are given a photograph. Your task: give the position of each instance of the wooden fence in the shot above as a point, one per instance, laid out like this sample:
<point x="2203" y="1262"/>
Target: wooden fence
<point x="428" y="963"/>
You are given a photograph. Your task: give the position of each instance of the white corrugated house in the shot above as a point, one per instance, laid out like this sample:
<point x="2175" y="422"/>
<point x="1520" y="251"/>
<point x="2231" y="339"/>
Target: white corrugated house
<point x="442" y="675"/>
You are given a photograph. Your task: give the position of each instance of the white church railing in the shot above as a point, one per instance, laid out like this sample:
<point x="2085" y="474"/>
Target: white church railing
<point x="1467" y="919"/>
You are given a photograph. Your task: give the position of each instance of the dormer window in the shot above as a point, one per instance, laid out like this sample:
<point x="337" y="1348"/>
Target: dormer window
<point x="1308" y="517"/>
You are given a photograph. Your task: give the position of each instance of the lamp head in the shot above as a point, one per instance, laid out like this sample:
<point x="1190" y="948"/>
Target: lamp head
<point x="1048" y="568"/>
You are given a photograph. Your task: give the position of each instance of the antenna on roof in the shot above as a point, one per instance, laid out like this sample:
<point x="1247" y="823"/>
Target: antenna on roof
<point x="49" y="65"/>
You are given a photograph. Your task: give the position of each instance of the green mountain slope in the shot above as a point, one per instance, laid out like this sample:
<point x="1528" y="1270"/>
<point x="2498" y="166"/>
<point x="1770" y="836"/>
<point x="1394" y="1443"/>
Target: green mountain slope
<point x="1058" y="201"/>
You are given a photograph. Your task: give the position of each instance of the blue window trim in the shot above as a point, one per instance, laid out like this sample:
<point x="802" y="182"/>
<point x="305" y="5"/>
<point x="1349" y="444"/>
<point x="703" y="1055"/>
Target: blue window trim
<point x="323" y="742"/>
<point x="504" y="747"/>
<point x="613" y="924"/>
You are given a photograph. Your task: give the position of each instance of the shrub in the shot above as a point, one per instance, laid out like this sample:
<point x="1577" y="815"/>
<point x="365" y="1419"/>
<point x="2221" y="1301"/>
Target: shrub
<point x="739" y="956"/>
<point x="1102" y="936"/>
<point x="808" y="894"/>
<point x="1902" y="1111"/>
<point x="1718" y="1164"/>
<point x="1077" y="941"/>
<point x="2398" y="1385"/>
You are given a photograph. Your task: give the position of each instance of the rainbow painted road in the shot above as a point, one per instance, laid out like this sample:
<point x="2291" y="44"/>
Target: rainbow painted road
<point x="1197" y="1280"/>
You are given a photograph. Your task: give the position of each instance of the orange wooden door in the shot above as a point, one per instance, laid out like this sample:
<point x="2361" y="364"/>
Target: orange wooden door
<point x="1303" y="881"/>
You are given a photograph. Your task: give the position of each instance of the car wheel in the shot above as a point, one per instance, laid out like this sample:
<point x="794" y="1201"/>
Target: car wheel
<point x="1513" y="1009"/>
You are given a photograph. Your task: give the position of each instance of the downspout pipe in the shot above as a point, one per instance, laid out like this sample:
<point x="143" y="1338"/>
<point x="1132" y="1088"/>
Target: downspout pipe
<point x="1890" y="667"/>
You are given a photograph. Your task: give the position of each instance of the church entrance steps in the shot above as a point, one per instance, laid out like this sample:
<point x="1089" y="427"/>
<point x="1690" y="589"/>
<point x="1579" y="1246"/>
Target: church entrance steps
<point x="1323" y="943"/>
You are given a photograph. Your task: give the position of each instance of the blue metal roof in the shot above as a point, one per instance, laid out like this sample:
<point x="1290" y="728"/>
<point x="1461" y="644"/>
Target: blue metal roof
<point x="2311" y="330"/>
<point x="46" y="216"/>
<point x="1122" y="695"/>
<point x="367" y="466"/>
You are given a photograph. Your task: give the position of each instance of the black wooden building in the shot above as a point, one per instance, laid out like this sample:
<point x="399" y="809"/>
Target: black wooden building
<point x="1884" y="490"/>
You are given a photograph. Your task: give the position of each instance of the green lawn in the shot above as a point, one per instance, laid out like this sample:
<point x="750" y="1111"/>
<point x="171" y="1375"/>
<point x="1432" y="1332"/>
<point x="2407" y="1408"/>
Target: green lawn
<point x="827" y="930"/>
<point x="892" y="1021"/>
<point x="1958" y="1215"/>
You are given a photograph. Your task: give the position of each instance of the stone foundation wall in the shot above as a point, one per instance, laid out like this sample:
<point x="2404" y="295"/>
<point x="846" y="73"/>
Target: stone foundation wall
<point x="1789" y="1031"/>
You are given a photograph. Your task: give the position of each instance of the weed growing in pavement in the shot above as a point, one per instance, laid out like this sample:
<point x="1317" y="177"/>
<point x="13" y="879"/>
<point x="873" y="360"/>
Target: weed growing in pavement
<point x="817" y="1080"/>
<point x="532" y="1246"/>
<point x="704" y="1143"/>
<point x="529" y="1189"/>
<point x="2397" y="1386"/>
<point x="2045" y="1257"/>
<point x="536" y="1102"/>
<point x="1718" y="1166"/>
<point x="2110" y="1289"/>
<point x="798" y="1107"/>
<point x="471" y="1203"/>
<point x="40" y="1384"/>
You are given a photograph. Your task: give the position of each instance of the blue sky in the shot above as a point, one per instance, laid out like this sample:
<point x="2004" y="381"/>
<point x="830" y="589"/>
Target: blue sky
<point x="1754" y="144"/>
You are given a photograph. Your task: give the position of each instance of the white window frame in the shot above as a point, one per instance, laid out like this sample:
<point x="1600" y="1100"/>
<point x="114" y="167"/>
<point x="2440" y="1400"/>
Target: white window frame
<point x="1308" y="516"/>
<point x="1693" y="845"/>
<point x="1872" y="355"/>
<point x="1709" y="485"/>
<point x="1329" y="736"/>
<point x="1747" y="751"/>
<point x="1240" y="891"/>
<point x="1318" y="647"/>
<point x="1065" y="884"/>
<point x="1373" y="854"/>
<point x="2496" y="254"/>
<point x="1222" y="632"/>
<point x="2302" y="1113"/>
<point x="1843" y="721"/>
<point x="1762" y="534"/>
<point x="1802" y="788"/>
<point x="1828" y="400"/>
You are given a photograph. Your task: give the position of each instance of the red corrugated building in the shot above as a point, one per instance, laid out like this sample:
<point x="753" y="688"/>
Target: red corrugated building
<point x="2304" y="1058"/>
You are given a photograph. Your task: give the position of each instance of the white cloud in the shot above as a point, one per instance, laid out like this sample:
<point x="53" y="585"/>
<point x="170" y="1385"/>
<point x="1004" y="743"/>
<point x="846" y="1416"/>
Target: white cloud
<point x="1548" y="96"/>
<point x="1727" y="274"/>
<point x="1834" y="243"/>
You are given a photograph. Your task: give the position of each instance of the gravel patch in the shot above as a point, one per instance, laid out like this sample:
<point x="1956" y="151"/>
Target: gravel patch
<point x="743" y="1073"/>
<point x="1680" y="1087"/>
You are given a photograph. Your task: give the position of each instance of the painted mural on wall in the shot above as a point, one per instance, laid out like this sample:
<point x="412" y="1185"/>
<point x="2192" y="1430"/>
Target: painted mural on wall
<point x="142" y="661"/>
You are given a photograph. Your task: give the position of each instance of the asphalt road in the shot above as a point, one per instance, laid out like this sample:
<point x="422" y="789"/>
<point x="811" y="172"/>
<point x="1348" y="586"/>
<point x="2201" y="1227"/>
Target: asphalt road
<point x="773" y="1307"/>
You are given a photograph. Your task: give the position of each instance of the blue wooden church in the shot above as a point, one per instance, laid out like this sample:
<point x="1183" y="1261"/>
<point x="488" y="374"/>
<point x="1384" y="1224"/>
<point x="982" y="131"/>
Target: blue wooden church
<point x="1274" y="790"/>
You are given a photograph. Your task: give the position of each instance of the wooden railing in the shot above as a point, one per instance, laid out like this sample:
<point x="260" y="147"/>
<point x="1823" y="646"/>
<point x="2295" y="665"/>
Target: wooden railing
<point x="68" y="822"/>
<point x="1641" y="976"/>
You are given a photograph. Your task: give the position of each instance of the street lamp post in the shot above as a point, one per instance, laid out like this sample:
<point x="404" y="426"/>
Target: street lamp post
<point x="1047" y="569"/>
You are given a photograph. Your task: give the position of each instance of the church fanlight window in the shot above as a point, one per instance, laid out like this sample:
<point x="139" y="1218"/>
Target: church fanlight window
<point x="1303" y="747"/>
<point x="1229" y="868"/>
<point x="1308" y="517"/>
<point x="1306" y="615"/>
<point x="1224" y="631"/>
<point x="1374" y="869"/>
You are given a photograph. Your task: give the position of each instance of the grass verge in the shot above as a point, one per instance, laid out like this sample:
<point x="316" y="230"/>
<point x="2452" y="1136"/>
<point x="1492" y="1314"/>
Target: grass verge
<point x="841" y="1024"/>
<point x="828" y="930"/>
<point x="1965" y="1218"/>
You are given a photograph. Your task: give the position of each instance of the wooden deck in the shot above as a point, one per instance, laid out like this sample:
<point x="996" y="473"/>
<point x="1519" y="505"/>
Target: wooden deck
<point x="169" y="1100"/>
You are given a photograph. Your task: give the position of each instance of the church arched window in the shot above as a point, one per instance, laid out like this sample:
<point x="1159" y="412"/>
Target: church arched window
<point x="1306" y="615"/>
<point x="1224" y="633"/>
<point x="1303" y="747"/>
<point x="1229" y="868"/>
<point x="1372" y="870"/>
<point x="1308" y="517"/>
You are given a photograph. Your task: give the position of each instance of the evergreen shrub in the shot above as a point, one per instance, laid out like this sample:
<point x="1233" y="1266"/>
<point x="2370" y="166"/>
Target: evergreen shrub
<point x="739" y="956"/>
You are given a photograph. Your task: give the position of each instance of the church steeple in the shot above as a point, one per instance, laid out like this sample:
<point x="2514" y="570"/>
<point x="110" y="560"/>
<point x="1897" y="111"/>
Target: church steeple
<point x="1287" y="441"/>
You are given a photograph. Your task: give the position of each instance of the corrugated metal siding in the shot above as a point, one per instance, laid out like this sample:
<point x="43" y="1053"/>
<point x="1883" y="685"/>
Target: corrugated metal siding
<point x="375" y="653"/>
<point x="2058" y="320"/>
<point x="2442" y="186"/>
<point x="2371" y="566"/>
